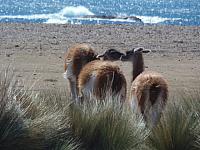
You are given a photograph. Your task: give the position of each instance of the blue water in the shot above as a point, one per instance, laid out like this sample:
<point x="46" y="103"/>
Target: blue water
<point x="173" y="12"/>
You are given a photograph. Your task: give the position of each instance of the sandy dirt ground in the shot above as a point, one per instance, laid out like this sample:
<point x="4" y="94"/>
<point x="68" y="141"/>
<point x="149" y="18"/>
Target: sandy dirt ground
<point x="35" y="52"/>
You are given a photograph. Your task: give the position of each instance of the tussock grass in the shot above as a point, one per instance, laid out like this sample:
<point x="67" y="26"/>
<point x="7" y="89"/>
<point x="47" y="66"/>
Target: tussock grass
<point x="14" y="131"/>
<point x="107" y="125"/>
<point x="179" y="126"/>
<point x="50" y="120"/>
<point x="31" y="120"/>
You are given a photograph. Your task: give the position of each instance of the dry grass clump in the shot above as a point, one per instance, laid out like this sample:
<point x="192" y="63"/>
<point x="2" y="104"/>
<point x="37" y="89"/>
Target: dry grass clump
<point x="50" y="120"/>
<point x="179" y="127"/>
<point x="14" y="131"/>
<point x="107" y="125"/>
<point x="30" y="120"/>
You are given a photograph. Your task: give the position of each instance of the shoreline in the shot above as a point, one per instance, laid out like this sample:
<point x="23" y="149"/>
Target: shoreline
<point x="36" y="50"/>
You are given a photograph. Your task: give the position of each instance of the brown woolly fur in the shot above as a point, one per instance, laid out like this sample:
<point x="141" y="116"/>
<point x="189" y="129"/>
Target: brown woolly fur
<point x="79" y="55"/>
<point x="89" y="76"/>
<point x="154" y="83"/>
<point x="149" y="90"/>
<point x="108" y="78"/>
<point x="75" y="59"/>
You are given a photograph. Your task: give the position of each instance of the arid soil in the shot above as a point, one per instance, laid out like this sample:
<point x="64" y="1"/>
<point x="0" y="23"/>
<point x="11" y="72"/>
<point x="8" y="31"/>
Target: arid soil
<point x="34" y="52"/>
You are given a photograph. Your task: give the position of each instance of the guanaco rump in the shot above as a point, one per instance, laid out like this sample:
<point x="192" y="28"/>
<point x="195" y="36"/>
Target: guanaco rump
<point x="102" y="78"/>
<point x="91" y="77"/>
<point x="149" y="90"/>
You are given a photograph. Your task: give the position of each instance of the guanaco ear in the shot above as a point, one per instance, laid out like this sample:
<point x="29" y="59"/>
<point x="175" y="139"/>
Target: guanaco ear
<point x="146" y="51"/>
<point x="100" y="55"/>
<point x="111" y="50"/>
<point x="129" y="52"/>
<point x="139" y="49"/>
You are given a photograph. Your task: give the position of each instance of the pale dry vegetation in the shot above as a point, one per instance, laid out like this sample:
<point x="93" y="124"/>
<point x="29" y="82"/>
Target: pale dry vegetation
<point x="49" y="120"/>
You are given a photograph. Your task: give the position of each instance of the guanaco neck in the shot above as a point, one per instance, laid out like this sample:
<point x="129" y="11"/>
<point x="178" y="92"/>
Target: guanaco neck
<point x="138" y="65"/>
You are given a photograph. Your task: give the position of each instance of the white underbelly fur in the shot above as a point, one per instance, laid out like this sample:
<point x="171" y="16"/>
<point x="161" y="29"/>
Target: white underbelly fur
<point x="68" y="74"/>
<point x="88" y="89"/>
<point x="134" y="103"/>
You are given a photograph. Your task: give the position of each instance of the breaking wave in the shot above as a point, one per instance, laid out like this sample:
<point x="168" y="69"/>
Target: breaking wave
<point x="60" y="17"/>
<point x="77" y="15"/>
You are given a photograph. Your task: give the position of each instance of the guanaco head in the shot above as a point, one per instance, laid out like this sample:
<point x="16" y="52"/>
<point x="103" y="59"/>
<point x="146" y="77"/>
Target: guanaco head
<point x="111" y="54"/>
<point x="134" y="53"/>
